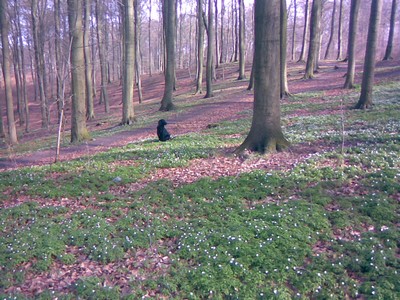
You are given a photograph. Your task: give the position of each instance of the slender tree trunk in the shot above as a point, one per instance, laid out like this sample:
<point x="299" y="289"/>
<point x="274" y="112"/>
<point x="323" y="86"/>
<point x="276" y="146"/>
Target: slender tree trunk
<point x="39" y="63"/>
<point x="332" y="30"/>
<point x="4" y="23"/>
<point x="339" y="40"/>
<point x="128" y="114"/>
<point x="169" y="19"/>
<point x="150" y="52"/>
<point x="59" y="64"/>
<point x="367" y="84"/>
<point x="266" y="134"/>
<point x="302" y="56"/>
<point x="210" y="50"/>
<point x="216" y="35"/>
<point x="138" y="63"/>
<point x="200" y="47"/>
<point x="222" y="58"/>
<point x="314" y="39"/>
<point x="389" y="47"/>
<point x="88" y="63"/>
<point x="242" y="41"/>
<point x="79" y="131"/>
<point x="102" y="57"/>
<point x="294" y="30"/>
<point x="283" y="48"/>
<point x="351" y="62"/>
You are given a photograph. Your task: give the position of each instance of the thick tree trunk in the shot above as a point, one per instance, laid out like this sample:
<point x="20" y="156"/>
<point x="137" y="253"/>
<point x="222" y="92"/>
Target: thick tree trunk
<point x="339" y="38"/>
<point x="328" y="47"/>
<point x="242" y="42"/>
<point x="365" y="100"/>
<point x="266" y="134"/>
<point x="200" y="47"/>
<point x="88" y="63"/>
<point x="210" y="51"/>
<point x="389" y="47"/>
<point x="102" y="57"/>
<point x="128" y="115"/>
<point x="314" y="39"/>
<point x="169" y="18"/>
<point x="302" y="56"/>
<point x="79" y="131"/>
<point x="4" y="23"/>
<point x="351" y="62"/>
<point x="283" y="28"/>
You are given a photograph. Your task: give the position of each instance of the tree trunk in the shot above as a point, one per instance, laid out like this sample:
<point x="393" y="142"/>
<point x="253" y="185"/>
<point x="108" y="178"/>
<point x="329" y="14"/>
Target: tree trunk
<point x="302" y="56"/>
<point x="59" y="64"/>
<point x="389" y="47"/>
<point x="138" y="63"/>
<point x="266" y="134"/>
<point x="210" y="50"/>
<point x="367" y="84"/>
<point x="4" y="23"/>
<point x="169" y="18"/>
<point x="39" y="62"/>
<point x="283" y="72"/>
<point x="216" y="35"/>
<point x="242" y="42"/>
<point x="222" y="58"/>
<point x="294" y="30"/>
<point x="200" y="47"/>
<point x="351" y="62"/>
<point x="339" y="40"/>
<point x="315" y="25"/>
<point x="128" y="115"/>
<point x="332" y="30"/>
<point x="149" y="32"/>
<point x="79" y="131"/>
<point x="88" y="63"/>
<point x="103" y="62"/>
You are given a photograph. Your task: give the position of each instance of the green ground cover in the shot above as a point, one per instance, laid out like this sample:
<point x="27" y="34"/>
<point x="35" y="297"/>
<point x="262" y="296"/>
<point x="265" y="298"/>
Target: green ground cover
<point x="326" y="229"/>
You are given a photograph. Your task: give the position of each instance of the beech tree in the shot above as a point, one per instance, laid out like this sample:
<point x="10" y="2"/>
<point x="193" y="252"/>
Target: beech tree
<point x="351" y="62"/>
<point x="210" y="50"/>
<point x="365" y="100"/>
<point x="242" y="41"/>
<point x="315" y="25"/>
<point x="389" y="47"/>
<point x="4" y="23"/>
<point x="339" y="37"/>
<point x="128" y="115"/>
<point x="332" y="29"/>
<point x="283" y="28"/>
<point x="169" y="22"/>
<point x="88" y="62"/>
<point x="200" y="47"/>
<point x="266" y="133"/>
<point x="79" y="131"/>
<point x="302" y="56"/>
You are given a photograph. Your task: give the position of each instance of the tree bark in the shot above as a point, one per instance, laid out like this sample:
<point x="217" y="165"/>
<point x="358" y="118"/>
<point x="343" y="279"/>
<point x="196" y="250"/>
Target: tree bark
<point x="169" y="19"/>
<point x="79" y="131"/>
<point x="216" y="47"/>
<point x="242" y="41"/>
<point x="200" y="47"/>
<point x="128" y="115"/>
<point x="389" y="47"/>
<point x="315" y="25"/>
<point x="302" y="56"/>
<point x="331" y="31"/>
<point x="339" y="38"/>
<point x="39" y="62"/>
<point x="266" y="134"/>
<point x="59" y="64"/>
<point x="283" y="72"/>
<point x="4" y="23"/>
<point x="210" y="51"/>
<point x="367" y="84"/>
<point x="138" y="64"/>
<point x="294" y="30"/>
<point x="103" y="62"/>
<point x="88" y="63"/>
<point x="222" y="58"/>
<point x="351" y="61"/>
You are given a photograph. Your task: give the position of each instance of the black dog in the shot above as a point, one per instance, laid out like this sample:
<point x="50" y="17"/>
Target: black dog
<point x="163" y="134"/>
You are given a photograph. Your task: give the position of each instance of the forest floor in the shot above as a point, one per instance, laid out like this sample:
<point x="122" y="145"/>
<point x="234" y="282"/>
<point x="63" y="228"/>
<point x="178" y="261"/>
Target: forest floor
<point x="125" y="216"/>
